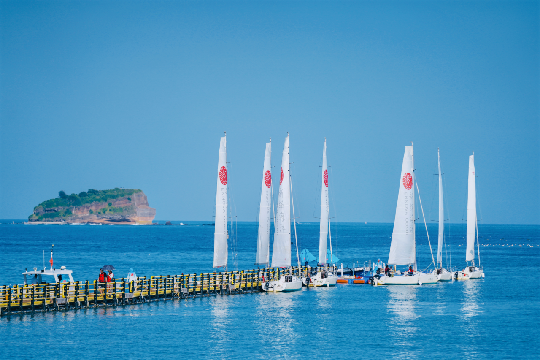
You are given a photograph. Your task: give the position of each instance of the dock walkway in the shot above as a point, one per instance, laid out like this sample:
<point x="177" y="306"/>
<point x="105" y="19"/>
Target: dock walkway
<point x="78" y="295"/>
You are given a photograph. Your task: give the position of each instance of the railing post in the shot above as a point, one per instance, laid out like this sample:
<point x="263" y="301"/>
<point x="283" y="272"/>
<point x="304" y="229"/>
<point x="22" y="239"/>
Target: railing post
<point x="9" y="300"/>
<point x="33" y="295"/>
<point x="95" y="292"/>
<point x="77" y="303"/>
<point x="86" y="292"/>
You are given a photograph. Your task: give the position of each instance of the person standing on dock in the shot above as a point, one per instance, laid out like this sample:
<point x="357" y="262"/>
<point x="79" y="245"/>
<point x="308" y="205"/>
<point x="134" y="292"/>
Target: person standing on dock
<point x="132" y="278"/>
<point x="101" y="278"/>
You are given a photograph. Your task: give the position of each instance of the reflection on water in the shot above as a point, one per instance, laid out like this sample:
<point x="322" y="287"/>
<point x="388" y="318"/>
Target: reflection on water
<point x="401" y="308"/>
<point x="220" y="321"/>
<point x="274" y="321"/>
<point x="470" y="307"/>
<point x="402" y="304"/>
<point x="469" y="311"/>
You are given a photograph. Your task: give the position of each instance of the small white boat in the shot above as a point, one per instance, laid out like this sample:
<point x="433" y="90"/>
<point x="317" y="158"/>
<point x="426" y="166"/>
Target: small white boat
<point x="403" y="247"/>
<point x="321" y="279"/>
<point x="281" y="255"/>
<point x="76" y="223"/>
<point x="442" y="273"/>
<point x="285" y="284"/>
<point x="471" y="271"/>
<point x="45" y="276"/>
<point x="48" y="276"/>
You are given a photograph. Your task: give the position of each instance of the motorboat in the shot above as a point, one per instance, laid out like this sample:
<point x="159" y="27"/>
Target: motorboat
<point x="47" y="276"/>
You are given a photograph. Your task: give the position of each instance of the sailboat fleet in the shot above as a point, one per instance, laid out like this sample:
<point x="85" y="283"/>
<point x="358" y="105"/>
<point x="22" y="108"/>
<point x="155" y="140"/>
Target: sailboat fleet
<point x="403" y="245"/>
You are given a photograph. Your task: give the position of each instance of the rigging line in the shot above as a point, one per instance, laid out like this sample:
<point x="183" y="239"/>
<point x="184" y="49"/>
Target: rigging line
<point x="420" y="200"/>
<point x="234" y="230"/>
<point x="336" y="236"/>
<point x="294" y="222"/>
<point x="477" y="241"/>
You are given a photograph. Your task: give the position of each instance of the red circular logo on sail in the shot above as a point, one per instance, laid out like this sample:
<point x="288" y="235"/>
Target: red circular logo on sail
<point x="280" y="181"/>
<point x="407" y="181"/>
<point x="223" y="175"/>
<point x="325" y="176"/>
<point x="267" y="178"/>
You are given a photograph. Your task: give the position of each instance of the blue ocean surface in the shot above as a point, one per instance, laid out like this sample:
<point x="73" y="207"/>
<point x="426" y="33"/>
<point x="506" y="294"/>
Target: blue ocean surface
<point x="495" y="317"/>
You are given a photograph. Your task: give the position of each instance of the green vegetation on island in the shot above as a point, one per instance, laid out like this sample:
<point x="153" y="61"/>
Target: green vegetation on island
<point x="63" y="206"/>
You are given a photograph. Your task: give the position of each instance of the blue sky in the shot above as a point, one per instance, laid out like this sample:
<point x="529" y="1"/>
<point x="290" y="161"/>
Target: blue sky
<point x="137" y="94"/>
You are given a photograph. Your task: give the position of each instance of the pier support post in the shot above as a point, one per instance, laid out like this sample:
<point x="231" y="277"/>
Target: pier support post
<point x="95" y="292"/>
<point x="9" y="300"/>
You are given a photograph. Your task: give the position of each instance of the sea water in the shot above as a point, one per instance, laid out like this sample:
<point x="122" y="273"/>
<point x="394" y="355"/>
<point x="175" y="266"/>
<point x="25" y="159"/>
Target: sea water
<point x="495" y="317"/>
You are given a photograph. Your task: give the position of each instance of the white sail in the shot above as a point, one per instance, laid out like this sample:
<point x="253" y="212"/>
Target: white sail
<point x="323" y="234"/>
<point x="220" y="233"/>
<point x="471" y="211"/>
<point x="441" y="214"/>
<point x="281" y="256"/>
<point x="263" y="240"/>
<point x="403" y="248"/>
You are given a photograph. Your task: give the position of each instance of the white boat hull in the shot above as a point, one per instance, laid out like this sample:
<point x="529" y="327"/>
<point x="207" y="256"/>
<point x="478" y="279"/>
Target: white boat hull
<point x="444" y="275"/>
<point x="470" y="273"/>
<point x="285" y="284"/>
<point x="318" y="281"/>
<point x="427" y="278"/>
<point x="398" y="280"/>
<point x="416" y="279"/>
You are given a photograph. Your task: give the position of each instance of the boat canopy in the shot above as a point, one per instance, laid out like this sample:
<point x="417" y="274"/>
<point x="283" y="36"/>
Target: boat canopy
<point x="36" y="276"/>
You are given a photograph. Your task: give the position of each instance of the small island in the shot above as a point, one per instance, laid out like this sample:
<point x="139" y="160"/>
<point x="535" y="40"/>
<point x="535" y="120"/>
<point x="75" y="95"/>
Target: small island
<point x="113" y="206"/>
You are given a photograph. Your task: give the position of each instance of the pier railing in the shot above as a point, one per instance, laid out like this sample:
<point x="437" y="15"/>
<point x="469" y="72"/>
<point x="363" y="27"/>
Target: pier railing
<point x="83" y="294"/>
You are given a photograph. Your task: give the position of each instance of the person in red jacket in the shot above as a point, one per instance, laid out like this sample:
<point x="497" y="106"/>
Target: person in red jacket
<point x="102" y="276"/>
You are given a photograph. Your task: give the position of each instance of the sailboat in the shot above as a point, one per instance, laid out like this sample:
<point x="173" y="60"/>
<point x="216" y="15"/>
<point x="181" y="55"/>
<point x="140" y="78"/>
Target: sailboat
<point x="442" y="273"/>
<point x="220" y="233"/>
<point x="263" y="239"/>
<point x="281" y="256"/>
<point x="471" y="271"/>
<point x="323" y="277"/>
<point x="403" y="247"/>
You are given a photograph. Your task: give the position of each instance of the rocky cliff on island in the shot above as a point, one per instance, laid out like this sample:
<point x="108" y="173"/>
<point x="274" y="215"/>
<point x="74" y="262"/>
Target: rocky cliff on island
<point x="114" y="206"/>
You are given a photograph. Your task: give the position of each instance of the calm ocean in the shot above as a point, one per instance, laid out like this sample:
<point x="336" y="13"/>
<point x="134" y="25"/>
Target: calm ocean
<point x="496" y="317"/>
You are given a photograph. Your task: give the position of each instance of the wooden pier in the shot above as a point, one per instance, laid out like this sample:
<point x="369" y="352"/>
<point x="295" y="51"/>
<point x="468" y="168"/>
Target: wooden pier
<point x="78" y="295"/>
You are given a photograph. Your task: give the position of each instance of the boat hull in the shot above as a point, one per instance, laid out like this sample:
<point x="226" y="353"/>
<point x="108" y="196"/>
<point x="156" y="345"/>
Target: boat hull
<point x="398" y="280"/>
<point x="328" y="281"/>
<point x="469" y="273"/>
<point x="416" y="279"/>
<point x="283" y="286"/>
<point x="443" y="274"/>
<point x="427" y="278"/>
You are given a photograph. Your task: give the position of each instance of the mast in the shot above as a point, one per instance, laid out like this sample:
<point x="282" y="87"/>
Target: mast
<point x="414" y="208"/>
<point x="323" y="232"/>
<point x="403" y="248"/>
<point x="471" y="211"/>
<point x="220" y="233"/>
<point x="441" y="214"/>
<point x="281" y="256"/>
<point x="263" y="240"/>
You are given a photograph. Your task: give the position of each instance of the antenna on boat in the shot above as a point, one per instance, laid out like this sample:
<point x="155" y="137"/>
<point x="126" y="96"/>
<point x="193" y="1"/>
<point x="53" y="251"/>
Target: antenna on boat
<point x="43" y="259"/>
<point x="51" y="261"/>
